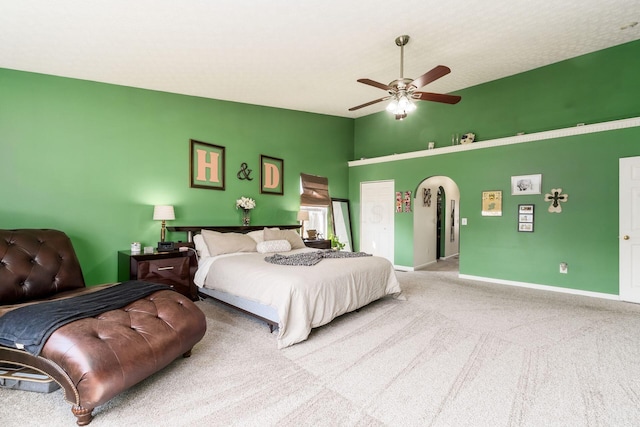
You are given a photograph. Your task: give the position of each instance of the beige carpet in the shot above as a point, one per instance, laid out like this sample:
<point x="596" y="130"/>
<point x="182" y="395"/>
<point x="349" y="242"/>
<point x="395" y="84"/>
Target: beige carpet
<point x="455" y="353"/>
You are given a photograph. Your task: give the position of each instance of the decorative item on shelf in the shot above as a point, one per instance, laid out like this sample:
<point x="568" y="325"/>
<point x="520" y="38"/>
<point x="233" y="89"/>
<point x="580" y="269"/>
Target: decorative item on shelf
<point x="163" y="213"/>
<point x="555" y="198"/>
<point x="246" y="204"/>
<point x="468" y="138"/>
<point x="455" y="139"/>
<point x="431" y="145"/>
<point x="302" y="217"/>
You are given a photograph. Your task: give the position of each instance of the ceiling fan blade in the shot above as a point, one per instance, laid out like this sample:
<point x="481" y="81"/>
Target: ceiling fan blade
<point x="437" y="97"/>
<point x="374" y="84"/>
<point x="430" y="76"/>
<point x="369" y="103"/>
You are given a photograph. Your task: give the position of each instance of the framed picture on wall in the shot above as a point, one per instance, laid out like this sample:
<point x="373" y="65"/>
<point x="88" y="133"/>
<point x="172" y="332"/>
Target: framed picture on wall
<point x="206" y="165"/>
<point x="271" y="175"/>
<point x="526" y="218"/>
<point x="526" y="184"/>
<point x="492" y="203"/>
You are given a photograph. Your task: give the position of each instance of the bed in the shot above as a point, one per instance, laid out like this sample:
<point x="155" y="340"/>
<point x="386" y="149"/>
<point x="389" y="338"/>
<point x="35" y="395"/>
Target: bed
<point x="232" y="268"/>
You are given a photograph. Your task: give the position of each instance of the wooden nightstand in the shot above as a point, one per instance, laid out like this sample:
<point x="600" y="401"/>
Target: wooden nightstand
<point x="175" y="269"/>
<point x="318" y="244"/>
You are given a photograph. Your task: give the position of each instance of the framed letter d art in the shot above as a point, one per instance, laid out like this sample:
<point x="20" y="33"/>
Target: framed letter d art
<point x="206" y="165"/>
<point x="271" y="175"/>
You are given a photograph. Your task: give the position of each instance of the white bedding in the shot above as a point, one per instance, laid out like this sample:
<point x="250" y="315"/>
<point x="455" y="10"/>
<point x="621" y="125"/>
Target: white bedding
<point x="304" y="297"/>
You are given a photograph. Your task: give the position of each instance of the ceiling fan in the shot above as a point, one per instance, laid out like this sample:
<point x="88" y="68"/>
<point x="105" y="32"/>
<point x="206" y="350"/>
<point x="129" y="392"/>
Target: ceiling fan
<point x="403" y="91"/>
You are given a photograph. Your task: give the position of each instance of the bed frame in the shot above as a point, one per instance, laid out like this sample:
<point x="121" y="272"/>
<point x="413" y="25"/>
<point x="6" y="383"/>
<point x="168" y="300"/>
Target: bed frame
<point x="262" y="312"/>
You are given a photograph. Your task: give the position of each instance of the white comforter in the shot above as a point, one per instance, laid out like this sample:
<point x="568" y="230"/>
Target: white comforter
<point x="305" y="297"/>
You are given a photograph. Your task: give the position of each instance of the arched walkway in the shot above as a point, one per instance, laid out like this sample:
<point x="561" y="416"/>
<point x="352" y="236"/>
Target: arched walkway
<point x="429" y="224"/>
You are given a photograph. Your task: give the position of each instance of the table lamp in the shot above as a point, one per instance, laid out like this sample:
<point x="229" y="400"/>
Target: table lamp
<point x="302" y="217"/>
<point x="163" y="213"/>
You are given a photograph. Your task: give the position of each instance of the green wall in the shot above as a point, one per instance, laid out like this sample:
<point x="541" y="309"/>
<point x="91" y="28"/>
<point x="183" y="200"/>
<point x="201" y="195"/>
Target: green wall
<point x="593" y="88"/>
<point x="92" y="159"/>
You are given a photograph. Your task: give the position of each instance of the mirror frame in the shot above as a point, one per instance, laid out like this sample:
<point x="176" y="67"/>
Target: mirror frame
<point x="344" y="203"/>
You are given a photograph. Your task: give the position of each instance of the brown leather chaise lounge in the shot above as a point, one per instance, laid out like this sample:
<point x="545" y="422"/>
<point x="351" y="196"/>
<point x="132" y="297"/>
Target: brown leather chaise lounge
<point x="93" y="358"/>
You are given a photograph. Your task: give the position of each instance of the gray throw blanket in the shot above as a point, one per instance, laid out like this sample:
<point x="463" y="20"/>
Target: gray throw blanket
<point x="311" y="258"/>
<point x="29" y="327"/>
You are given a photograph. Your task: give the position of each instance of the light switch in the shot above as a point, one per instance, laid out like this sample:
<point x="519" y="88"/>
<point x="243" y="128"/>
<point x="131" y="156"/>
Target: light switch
<point x="464" y="221"/>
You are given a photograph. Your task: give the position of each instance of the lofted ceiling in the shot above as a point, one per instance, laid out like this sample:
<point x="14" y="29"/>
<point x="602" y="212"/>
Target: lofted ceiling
<point x="302" y="55"/>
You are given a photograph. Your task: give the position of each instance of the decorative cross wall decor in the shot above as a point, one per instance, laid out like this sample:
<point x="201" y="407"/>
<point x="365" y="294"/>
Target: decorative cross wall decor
<point x="555" y="198"/>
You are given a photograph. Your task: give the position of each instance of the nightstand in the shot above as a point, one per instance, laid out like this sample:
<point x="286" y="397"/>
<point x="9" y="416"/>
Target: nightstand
<point x="175" y="269"/>
<point x="318" y="244"/>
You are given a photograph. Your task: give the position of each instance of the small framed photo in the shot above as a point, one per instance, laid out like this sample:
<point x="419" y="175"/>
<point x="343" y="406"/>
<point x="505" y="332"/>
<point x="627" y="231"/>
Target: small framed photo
<point x="271" y="175"/>
<point x="526" y="184"/>
<point x="492" y="203"/>
<point x="206" y="165"/>
<point x="526" y="218"/>
<point x="526" y="227"/>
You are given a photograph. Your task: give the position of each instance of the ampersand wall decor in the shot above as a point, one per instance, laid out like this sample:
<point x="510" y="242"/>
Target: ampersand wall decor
<point x="555" y="198"/>
<point x="244" y="172"/>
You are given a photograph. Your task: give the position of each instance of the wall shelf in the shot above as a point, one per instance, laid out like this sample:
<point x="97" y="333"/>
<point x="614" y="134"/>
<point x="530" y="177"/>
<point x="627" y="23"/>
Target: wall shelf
<point x="518" y="139"/>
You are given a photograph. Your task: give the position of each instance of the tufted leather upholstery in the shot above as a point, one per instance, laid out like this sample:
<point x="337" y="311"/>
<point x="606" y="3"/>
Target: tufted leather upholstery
<point x="36" y="264"/>
<point x="101" y="356"/>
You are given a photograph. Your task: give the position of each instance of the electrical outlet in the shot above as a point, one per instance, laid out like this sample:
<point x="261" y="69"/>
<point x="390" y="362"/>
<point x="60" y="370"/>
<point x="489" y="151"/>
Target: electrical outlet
<point x="564" y="268"/>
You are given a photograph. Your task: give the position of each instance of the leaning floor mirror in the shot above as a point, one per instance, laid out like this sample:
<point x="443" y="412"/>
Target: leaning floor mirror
<point x="342" y="222"/>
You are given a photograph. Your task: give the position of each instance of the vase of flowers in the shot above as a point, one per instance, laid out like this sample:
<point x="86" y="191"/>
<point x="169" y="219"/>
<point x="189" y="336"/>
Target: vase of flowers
<point x="246" y="204"/>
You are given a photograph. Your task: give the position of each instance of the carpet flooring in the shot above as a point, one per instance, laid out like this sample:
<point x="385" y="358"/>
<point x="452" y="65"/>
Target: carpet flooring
<point x="454" y="353"/>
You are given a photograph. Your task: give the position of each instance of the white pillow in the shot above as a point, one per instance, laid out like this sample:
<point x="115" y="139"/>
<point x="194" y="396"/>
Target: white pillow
<point x="226" y="243"/>
<point x="257" y="235"/>
<point x="273" y="246"/>
<point x="294" y="238"/>
<point x="201" y="246"/>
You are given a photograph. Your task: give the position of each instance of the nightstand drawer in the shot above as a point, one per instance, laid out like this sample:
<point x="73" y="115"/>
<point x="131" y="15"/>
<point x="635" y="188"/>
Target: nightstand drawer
<point x="166" y="271"/>
<point x="175" y="269"/>
<point x="318" y="244"/>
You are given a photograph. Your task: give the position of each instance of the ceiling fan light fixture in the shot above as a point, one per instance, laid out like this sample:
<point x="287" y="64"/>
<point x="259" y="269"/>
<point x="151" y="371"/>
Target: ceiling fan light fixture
<point x="403" y="102"/>
<point x="400" y="106"/>
<point x="393" y="106"/>
<point x="403" y="91"/>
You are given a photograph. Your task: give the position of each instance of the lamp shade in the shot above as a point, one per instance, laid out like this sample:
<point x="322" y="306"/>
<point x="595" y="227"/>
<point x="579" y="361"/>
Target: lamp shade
<point x="303" y="215"/>
<point x="163" y="212"/>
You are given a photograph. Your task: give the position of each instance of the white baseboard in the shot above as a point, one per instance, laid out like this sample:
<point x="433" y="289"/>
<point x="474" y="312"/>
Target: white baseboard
<point x="423" y="266"/>
<point x="403" y="268"/>
<point x="542" y="287"/>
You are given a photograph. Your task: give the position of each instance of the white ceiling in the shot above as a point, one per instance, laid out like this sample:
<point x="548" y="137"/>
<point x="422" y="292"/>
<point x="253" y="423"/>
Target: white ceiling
<point x="302" y="55"/>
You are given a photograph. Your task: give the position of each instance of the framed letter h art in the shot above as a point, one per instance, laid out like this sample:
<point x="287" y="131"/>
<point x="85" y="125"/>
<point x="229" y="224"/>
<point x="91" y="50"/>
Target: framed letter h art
<point x="206" y="165"/>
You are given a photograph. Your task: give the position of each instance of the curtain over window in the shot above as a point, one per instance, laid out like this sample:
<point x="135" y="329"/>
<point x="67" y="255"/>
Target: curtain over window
<point x="315" y="190"/>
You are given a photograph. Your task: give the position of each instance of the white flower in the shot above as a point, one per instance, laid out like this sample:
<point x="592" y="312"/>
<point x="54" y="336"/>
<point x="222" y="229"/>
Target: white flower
<point x="245" y="203"/>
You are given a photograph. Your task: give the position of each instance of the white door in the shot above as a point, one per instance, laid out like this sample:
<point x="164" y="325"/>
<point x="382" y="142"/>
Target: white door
<point x="630" y="229"/>
<point x="377" y="202"/>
